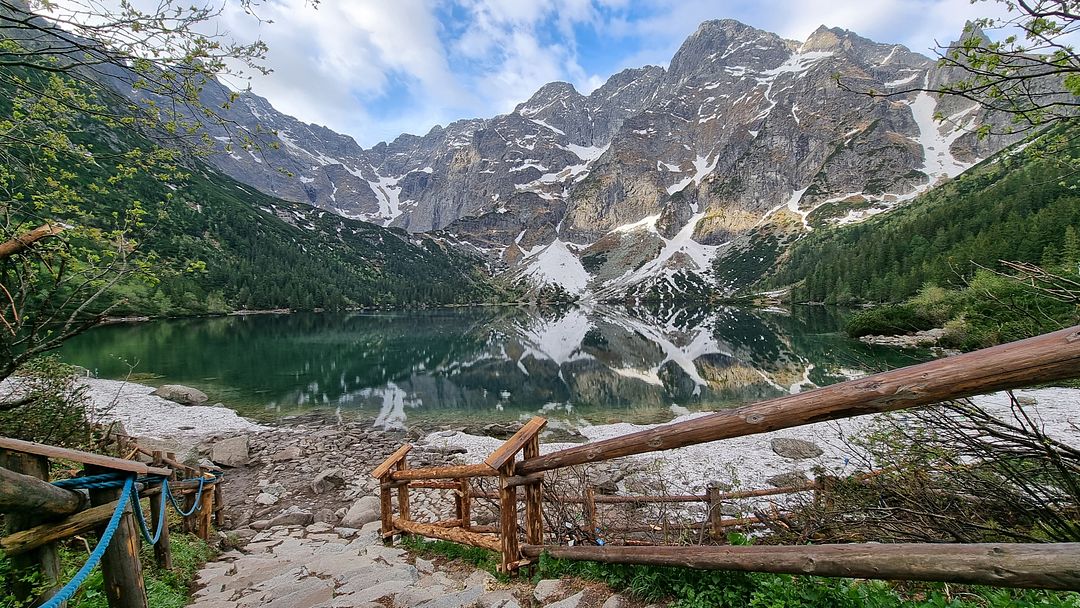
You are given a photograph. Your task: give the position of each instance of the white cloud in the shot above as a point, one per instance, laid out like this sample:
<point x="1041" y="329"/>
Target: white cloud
<point x="375" y="68"/>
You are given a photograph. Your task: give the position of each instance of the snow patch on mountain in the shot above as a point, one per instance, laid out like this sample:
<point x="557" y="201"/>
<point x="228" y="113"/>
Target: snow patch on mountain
<point x="556" y="264"/>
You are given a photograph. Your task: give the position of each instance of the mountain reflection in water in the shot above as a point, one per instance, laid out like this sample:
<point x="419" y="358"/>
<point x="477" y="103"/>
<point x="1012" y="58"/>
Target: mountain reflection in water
<point x="477" y="365"/>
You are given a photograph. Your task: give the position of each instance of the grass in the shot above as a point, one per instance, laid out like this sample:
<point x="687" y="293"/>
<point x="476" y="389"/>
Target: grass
<point x="164" y="589"/>
<point x="480" y="558"/>
<point x="688" y="588"/>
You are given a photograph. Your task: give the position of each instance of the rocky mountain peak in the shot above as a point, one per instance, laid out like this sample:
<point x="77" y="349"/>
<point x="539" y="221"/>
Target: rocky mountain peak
<point x="723" y="41"/>
<point x="637" y="189"/>
<point x="546" y="95"/>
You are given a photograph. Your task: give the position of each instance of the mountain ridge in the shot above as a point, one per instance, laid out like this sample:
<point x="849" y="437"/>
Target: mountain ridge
<point x="651" y="175"/>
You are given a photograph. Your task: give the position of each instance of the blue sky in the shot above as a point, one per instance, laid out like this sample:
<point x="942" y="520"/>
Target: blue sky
<point x="376" y="68"/>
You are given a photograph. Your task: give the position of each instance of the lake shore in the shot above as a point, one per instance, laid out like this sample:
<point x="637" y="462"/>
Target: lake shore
<point x="744" y="462"/>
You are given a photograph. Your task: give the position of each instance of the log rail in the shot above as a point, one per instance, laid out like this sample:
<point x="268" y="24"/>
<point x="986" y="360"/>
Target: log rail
<point x="1046" y="358"/>
<point x="39" y="514"/>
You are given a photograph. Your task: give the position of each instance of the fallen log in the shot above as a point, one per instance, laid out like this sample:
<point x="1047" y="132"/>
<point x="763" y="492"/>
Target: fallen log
<point x="457" y="535"/>
<point x="1053" y="356"/>
<point x="1033" y="566"/>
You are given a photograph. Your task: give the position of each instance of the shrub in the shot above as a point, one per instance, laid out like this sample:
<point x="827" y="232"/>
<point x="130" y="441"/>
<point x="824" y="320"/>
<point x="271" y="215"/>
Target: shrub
<point x="889" y="321"/>
<point x="47" y="405"/>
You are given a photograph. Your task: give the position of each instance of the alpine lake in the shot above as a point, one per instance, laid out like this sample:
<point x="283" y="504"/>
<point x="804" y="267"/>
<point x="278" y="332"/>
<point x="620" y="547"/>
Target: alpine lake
<point x="482" y="365"/>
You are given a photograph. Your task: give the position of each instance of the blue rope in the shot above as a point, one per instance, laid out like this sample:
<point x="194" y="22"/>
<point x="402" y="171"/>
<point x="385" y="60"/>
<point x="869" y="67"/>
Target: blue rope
<point x="95" y="556"/>
<point x="194" y="507"/>
<point x="139" y="517"/>
<point x="96" y="482"/>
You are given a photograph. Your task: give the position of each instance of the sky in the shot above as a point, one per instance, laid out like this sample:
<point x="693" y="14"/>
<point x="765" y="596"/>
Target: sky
<point x="374" y="69"/>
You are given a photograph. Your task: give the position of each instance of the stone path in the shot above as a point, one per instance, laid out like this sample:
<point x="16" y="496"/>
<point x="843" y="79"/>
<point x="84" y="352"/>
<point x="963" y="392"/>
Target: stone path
<point x="320" y="566"/>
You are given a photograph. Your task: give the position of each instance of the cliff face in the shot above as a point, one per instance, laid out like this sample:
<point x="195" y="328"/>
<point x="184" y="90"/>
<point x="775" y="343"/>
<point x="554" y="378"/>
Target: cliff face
<point x="637" y="187"/>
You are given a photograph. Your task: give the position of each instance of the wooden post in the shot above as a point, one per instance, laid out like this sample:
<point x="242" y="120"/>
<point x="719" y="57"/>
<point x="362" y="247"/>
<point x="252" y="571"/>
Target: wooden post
<point x="534" y="505"/>
<point x="172" y="456"/>
<point x="163" y="548"/>
<point x="219" y="503"/>
<point x="464" y="504"/>
<point x="403" y="493"/>
<point x="204" y="517"/>
<point x="508" y="520"/>
<point x="191" y="521"/>
<point x="386" y="507"/>
<point x="45" y="557"/>
<point x="590" y="511"/>
<point x="120" y="565"/>
<point x="716" y="514"/>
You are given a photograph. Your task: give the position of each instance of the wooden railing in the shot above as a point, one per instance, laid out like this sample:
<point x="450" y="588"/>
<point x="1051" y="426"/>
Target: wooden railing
<point x="39" y="514"/>
<point x="1038" y="360"/>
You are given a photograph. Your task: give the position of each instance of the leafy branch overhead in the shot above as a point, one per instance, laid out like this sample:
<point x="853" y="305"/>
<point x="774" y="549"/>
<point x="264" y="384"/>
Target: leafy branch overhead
<point x="76" y="154"/>
<point x="1031" y="72"/>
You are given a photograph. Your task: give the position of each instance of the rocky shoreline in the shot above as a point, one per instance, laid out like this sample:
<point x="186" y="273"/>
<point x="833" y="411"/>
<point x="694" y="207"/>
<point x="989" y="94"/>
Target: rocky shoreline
<point x="302" y="512"/>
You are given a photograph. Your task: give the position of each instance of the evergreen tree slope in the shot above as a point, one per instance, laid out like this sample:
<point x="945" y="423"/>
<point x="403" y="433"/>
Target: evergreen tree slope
<point x="220" y="245"/>
<point x="1021" y="205"/>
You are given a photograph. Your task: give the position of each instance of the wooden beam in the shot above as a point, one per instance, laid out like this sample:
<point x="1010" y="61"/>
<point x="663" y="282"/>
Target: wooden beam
<point x="1053" y="356"/>
<point x="434" y="485"/>
<point x="108" y="462"/>
<point x="506" y="452"/>
<point x="456" y="535"/>
<point x="526" y="480"/>
<point x="1032" y="566"/>
<point x="447" y="523"/>
<point x="75" y="524"/>
<point x="450" y="472"/>
<point x="388" y="464"/>
<point x="27" y="494"/>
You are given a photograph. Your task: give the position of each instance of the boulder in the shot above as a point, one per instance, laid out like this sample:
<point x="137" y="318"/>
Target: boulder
<point x="293" y="516"/>
<point x="231" y="452"/>
<point x="796" y="449"/>
<point x="616" y="601"/>
<point x="548" y="589"/>
<point x="184" y="395"/>
<point x="327" y="480"/>
<point x="783" y="480"/>
<point x="502" y="598"/>
<point x="364" y="511"/>
<point x="290" y="453"/>
<point x="326" y="516"/>
<point x="424" y="566"/>
<point x="574" y="601"/>
<point x="266" y="499"/>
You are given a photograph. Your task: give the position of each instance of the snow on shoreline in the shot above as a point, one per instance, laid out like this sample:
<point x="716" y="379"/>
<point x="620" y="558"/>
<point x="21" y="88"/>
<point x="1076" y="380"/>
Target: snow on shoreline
<point x="150" y="416"/>
<point x="746" y="462"/>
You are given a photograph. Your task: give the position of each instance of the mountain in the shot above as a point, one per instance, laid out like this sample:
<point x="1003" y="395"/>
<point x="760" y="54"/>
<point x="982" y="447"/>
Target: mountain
<point x="644" y="187"/>
<point x="209" y="242"/>
<point x="1020" y="205"/>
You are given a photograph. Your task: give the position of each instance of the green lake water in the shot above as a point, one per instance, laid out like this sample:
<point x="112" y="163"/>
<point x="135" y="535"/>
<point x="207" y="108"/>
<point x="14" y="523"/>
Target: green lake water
<point x="477" y="365"/>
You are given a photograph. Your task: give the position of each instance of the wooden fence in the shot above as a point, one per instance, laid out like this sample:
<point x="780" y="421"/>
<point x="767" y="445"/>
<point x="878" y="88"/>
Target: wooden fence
<point x="38" y="514"/>
<point x="1046" y="358"/>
